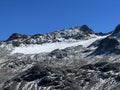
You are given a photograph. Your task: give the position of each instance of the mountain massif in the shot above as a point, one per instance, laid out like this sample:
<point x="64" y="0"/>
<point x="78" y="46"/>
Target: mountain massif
<point x="71" y="59"/>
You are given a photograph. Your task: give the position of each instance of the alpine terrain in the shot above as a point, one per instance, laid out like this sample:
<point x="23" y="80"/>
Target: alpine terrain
<point x="70" y="59"/>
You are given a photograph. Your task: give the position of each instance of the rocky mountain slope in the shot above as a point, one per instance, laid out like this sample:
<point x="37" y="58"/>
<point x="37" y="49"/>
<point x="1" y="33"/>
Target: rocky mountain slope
<point x="71" y="59"/>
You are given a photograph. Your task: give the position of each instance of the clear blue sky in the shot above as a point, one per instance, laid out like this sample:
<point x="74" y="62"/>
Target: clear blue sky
<point x="43" y="16"/>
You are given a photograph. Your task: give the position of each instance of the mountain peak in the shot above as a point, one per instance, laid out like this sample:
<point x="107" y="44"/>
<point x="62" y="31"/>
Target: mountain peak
<point x="116" y="32"/>
<point x="84" y="26"/>
<point x="86" y="29"/>
<point x="14" y="36"/>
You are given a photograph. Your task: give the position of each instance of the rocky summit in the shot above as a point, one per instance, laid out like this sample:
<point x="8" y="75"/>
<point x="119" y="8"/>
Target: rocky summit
<point x="70" y="59"/>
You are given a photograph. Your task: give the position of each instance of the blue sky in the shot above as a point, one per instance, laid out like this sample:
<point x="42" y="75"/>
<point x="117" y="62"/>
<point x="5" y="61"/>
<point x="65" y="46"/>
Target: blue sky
<point x="43" y="16"/>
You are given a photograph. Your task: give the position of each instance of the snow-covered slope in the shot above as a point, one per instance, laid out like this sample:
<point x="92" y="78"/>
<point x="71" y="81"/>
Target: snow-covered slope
<point x="48" y="47"/>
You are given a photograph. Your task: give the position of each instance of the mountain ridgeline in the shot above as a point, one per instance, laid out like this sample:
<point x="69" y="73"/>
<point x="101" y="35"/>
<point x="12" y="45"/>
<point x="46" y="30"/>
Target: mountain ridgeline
<point x="76" y="33"/>
<point x="71" y="59"/>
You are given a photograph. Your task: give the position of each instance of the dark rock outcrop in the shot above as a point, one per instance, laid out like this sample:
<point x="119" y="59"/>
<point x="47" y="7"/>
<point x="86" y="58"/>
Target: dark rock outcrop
<point x="107" y="45"/>
<point x="16" y="36"/>
<point x="116" y="32"/>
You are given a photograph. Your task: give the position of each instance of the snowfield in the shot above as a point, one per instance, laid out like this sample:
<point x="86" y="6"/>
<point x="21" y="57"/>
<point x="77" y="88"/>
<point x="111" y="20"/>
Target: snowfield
<point x="48" y="47"/>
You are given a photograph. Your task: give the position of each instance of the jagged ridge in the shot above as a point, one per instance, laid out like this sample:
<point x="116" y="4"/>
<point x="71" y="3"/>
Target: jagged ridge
<point x="76" y="33"/>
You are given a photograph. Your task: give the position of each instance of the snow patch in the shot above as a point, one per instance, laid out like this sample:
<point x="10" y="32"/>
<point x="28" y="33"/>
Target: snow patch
<point x="48" y="47"/>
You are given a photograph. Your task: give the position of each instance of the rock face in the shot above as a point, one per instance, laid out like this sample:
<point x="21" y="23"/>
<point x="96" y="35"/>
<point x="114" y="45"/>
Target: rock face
<point x="116" y="32"/>
<point x="96" y="67"/>
<point x="111" y="44"/>
<point x="17" y="36"/>
<point x="107" y="45"/>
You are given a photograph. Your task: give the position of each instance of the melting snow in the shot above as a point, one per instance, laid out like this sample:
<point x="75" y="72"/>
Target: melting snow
<point x="48" y="47"/>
